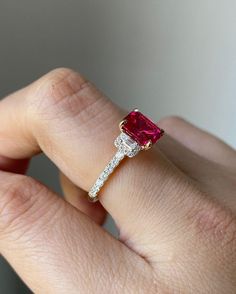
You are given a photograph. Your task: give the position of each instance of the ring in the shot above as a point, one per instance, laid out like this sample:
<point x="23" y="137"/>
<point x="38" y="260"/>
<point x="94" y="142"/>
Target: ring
<point x="138" y="133"/>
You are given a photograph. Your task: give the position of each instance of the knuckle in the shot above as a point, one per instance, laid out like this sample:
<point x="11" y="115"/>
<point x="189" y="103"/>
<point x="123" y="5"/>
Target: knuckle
<point x="60" y="77"/>
<point x="64" y="94"/>
<point x="56" y="76"/>
<point x="17" y="201"/>
<point x="170" y="121"/>
<point x="53" y="88"/>
<point x="217" y="225"/>
<point x="64" y="102"/>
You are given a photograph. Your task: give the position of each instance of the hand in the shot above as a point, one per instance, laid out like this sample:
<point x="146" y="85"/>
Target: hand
<point x="175" y="205"/>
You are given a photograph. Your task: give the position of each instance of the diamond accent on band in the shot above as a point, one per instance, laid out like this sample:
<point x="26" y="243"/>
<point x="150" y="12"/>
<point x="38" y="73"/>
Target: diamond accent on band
<point x="105" y="174"/>
<point x="126" y="147"/>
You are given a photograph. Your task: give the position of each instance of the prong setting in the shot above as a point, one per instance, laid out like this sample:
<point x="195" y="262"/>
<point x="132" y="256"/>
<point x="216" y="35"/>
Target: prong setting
<point x="147" y="146"/>
<point x="121" y="124"/>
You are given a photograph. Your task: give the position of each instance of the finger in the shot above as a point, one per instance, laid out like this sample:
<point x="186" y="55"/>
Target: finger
<point x="185" y="159"/>
<point x="199" y="141"/>
<point x="215" y="180"/>
<point x="57" y="249"/>
<point x="75" y="125"/>
<point x="12" y="165"/>
<point x="78" y="198"/>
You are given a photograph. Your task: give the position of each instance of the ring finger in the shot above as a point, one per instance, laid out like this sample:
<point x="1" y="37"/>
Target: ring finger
<point x="66" y="117"/>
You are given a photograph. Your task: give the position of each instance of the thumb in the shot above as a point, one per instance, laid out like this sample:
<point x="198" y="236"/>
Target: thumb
<point x="54" y="247"/>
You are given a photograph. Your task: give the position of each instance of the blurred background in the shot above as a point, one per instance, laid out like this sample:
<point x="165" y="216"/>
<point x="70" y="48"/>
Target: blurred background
<point x="163" y="56"/>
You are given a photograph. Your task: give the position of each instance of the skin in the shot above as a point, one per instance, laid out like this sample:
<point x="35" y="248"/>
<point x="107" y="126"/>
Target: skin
<point x="174" y="205"/>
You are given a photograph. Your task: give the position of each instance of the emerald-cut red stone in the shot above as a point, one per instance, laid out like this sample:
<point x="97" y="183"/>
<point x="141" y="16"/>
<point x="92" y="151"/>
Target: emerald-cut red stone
<point x="141" y="129"/>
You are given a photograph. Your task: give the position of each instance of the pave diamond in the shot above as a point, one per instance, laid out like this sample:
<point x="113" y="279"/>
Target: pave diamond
<point x="126" y="147"/>
<point x="105" y="174"/>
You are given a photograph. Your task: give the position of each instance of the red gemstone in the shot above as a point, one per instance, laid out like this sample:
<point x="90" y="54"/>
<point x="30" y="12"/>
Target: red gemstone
<point x="141" y="129"/>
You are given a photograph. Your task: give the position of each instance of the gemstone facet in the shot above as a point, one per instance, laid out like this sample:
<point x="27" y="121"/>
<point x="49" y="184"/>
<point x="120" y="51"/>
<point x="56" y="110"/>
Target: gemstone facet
<point x="126" y="145"/>
<point x="141" y="129"/>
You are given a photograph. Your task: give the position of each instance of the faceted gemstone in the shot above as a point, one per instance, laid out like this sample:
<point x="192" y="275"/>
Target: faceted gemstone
<point x="141" y="129"/>
<point x="126" y="146"/>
